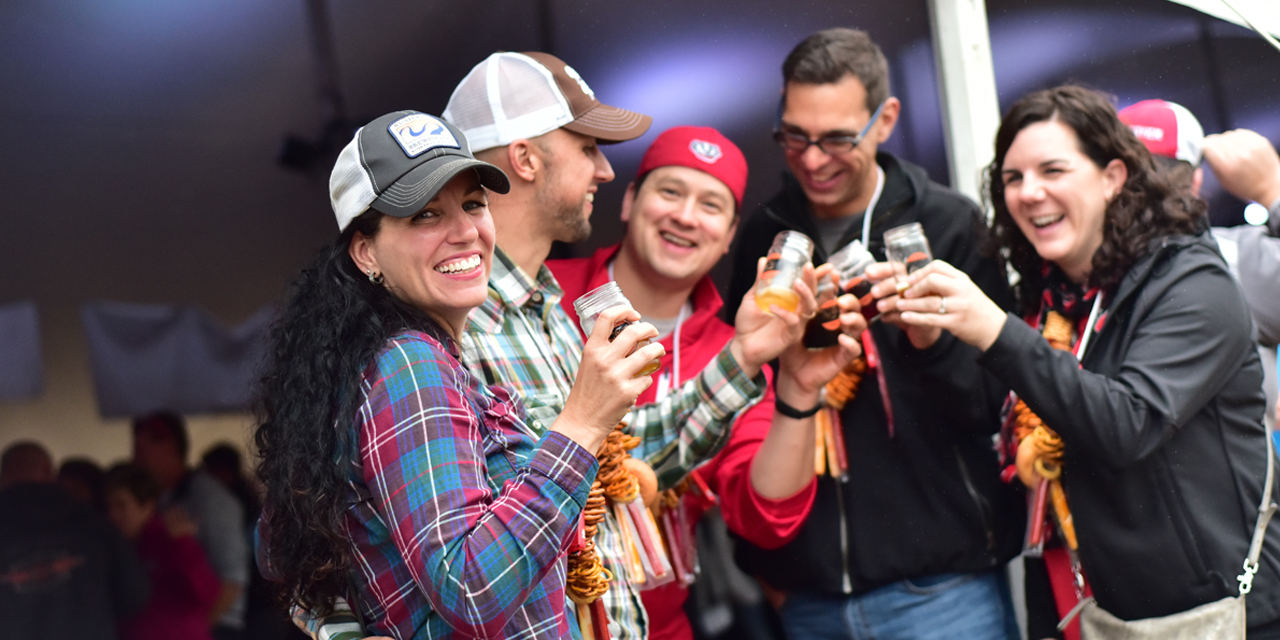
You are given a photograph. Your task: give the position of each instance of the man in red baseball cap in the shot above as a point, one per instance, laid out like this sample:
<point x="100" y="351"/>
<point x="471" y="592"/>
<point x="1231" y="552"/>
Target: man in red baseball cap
<point x="1247" y="166"/>
<point x="681" y="213"/>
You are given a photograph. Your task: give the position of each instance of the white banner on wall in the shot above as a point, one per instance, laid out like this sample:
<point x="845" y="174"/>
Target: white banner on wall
<point x="21" y="365"/>
<point x="149" y="357"/>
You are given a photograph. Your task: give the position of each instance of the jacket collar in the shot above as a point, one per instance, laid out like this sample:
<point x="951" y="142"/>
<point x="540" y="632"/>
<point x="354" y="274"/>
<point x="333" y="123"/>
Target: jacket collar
<point x="705" y="297"/>
<point x="1158" y="250"/>
<point x="511" y="288"/>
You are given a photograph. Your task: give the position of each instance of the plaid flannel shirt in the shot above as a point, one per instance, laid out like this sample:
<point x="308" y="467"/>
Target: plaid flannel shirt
<point x="461" y="515"/>
<point x="521" y="339"/>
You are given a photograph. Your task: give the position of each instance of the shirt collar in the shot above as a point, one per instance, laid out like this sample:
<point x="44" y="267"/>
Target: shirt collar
<point x="511" y="288"/>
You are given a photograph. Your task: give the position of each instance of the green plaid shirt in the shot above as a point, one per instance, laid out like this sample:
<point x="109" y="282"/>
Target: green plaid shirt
<point x="521" y="338"/>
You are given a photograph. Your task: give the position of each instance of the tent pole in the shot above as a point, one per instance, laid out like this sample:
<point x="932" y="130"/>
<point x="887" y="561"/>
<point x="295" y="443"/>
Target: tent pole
<point x="967" y="85"/>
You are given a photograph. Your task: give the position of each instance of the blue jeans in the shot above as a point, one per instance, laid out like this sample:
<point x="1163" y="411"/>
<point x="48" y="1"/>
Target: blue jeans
<point x="951" y="606"/>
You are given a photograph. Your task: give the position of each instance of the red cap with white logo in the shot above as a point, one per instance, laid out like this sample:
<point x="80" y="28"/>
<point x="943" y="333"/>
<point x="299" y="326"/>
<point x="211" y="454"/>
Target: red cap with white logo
<point x="1167" y="128"/>
<point x="701" y="148"/>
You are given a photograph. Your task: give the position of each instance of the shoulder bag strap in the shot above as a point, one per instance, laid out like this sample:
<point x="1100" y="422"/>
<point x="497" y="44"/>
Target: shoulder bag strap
<point x="1265" y="510"/>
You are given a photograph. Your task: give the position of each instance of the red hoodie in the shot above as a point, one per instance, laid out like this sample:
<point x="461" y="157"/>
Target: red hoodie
<point x="764" y="522"/>
<point x="184" y="587"/>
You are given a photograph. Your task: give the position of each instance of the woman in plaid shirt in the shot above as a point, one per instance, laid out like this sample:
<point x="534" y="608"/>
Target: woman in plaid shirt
<point x="394" y="477"/>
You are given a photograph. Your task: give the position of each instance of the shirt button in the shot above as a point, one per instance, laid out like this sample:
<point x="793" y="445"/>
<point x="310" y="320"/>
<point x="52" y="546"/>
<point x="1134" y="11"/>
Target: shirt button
<point x="536" y="298"/>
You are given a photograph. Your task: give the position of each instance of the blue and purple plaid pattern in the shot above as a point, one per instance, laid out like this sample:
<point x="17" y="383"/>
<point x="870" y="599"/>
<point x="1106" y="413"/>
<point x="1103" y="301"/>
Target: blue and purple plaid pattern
<point x="461" y="515"/>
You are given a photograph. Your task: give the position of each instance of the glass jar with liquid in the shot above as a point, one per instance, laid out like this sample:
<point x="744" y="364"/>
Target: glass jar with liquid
<point x="907" y="249"/>
<point x="823" y="330"/>
<point x="791" y="250"/>
<point x="606" y="296"/>
<point x="850" y="264"/>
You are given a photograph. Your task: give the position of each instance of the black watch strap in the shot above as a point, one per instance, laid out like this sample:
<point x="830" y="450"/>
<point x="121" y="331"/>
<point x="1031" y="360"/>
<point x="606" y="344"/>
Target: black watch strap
<point x="792" y="412"/>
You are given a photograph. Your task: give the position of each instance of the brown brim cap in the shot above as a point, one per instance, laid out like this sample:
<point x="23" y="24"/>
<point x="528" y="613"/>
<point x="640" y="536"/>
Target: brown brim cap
<point x="590" y="116"/>
<point x="610" y="124"/>
<point x="512" y="96"/>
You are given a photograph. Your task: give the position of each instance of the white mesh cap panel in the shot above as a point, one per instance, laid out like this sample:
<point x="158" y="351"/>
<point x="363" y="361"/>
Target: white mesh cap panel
<point x="351" y="188"/>
<point x="507" y="97"/>
<point x="469" y="105"/>
<point x="1190" y="134"/>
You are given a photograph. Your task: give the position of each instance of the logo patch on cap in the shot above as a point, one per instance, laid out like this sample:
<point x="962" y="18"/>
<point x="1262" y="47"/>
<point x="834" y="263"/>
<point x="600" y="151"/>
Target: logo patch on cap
<point x="573" y="73"/>
<point x="419" y="133"/>
<point x="1143" y="132"/>
<point x="707" y="152"/>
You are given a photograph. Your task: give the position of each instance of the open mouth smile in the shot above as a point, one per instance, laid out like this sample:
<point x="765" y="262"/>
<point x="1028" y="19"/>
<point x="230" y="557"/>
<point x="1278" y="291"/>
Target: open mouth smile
<point x="463" y="265"/>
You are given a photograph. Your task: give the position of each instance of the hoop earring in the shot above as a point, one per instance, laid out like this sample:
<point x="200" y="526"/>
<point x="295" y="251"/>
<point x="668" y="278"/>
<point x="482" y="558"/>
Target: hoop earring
<point x="374" y="277"/>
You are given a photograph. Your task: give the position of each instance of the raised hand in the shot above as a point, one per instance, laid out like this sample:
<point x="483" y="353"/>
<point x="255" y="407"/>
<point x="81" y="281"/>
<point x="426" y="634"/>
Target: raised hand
<point x="939" y="297"/>
<point x="609" y="379"/>
<point x="763" y="335"/>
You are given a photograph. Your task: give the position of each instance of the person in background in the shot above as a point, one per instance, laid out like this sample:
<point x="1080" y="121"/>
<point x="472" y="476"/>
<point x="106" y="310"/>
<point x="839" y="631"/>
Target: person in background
<point x="1154" y="389"/>
<point x="223" y="462"/>
<point x="548" y="142"/>
<point x="1247" y="166"/>
<point x="915" y="543"/>
<point x="160" y="446"/>
<point x="681" y="212"/>
<point x="183" y="585"/>
<point x="264" y="617"/>
<point x="82" y="479"/>
<point x="65" y="572"/>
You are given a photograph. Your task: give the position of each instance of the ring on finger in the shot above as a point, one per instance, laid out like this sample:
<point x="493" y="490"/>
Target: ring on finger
<point x="942" y="306"/>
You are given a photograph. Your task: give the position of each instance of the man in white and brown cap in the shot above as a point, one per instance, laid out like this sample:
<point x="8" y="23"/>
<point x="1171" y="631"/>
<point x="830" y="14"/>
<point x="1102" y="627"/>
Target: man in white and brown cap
<point x="534" y="116"/>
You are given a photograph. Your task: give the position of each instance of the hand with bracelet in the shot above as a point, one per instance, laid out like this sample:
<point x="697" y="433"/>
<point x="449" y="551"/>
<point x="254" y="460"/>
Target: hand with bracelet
<point x="784" y="464"/>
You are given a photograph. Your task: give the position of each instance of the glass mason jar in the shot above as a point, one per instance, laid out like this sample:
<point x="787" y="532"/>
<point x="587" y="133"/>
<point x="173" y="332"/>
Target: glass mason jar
<point x="823" y="329"/>
<point x="787" y="257"/>
<point x="851" y="264"/>
<point x="907" y="249"/>
<point x="608" y="295"/>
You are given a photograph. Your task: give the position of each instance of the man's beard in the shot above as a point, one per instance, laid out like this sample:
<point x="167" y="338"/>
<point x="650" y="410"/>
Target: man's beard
<point x="569" y="223"/>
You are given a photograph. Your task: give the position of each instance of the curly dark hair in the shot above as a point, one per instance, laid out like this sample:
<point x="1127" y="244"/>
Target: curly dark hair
<point x="332" y="326"/>
<point x="1149" y="206"/>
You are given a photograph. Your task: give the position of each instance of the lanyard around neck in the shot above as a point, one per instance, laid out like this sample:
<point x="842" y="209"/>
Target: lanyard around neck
<point x="1088" y="329"/>
<point x="871" y="206"/>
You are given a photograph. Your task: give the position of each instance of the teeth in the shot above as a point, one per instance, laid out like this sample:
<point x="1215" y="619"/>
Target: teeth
<point x="591" y="197"/>
<point x="1044" y="221"/>
<point x="466" y="264"/>
<point x="679" y="242"/>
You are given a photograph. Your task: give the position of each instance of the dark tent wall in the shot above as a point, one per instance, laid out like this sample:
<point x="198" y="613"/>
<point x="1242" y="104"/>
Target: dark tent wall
<point x="140" y="137"/>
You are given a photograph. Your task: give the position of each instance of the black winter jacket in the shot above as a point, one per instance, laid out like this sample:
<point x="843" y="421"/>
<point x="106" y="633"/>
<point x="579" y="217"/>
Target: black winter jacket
<point x="1164" y="453"/>
<point x="929" y="500"/>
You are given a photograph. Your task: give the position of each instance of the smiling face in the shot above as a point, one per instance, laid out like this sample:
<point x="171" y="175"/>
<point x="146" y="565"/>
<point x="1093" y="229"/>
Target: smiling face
<point x="575" y="167"/>
<point x="679" y="223"/>
<point x="840" y="184"/>
<point x="439" y="259"/>
<point x="1057" y="196"/>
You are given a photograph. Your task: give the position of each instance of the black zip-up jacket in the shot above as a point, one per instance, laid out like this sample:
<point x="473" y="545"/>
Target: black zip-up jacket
<point x="929" y="500"/>
<point x="1164" y="455"/>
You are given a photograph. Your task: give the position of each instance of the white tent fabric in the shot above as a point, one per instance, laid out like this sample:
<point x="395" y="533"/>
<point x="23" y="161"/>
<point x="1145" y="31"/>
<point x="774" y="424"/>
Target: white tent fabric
<point x="149" y="357"/>
<point x="1264" y="14"/>
<point x="21" y="367"/>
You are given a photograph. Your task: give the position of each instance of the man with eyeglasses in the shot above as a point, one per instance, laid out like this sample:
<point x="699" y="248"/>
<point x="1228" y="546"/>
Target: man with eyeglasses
<point x="914" y="543"/>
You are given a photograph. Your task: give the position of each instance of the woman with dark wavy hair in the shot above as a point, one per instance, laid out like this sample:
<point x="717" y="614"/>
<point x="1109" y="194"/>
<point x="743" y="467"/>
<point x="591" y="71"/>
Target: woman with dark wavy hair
<point x="1154" y="391"/>
<point x="395" y="479"/>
